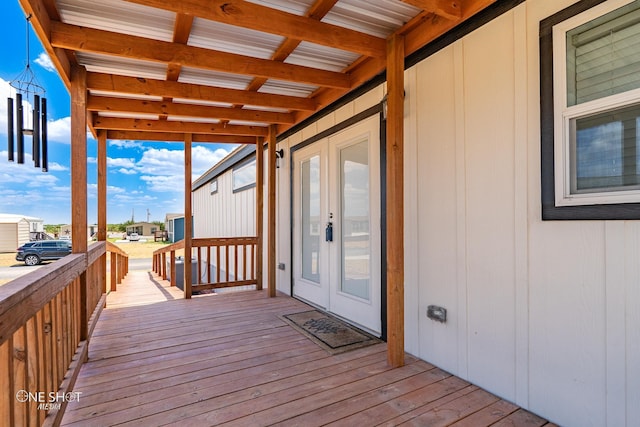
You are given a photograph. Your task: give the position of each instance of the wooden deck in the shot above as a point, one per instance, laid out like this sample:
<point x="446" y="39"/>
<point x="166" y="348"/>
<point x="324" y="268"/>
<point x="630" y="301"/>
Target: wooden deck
<point x="157" y="359"/>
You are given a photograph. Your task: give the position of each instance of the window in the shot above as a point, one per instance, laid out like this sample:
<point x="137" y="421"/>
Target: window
<point x="213" y="186"/>
<point x="244" y="176"/>
<point x="590" y="86"/>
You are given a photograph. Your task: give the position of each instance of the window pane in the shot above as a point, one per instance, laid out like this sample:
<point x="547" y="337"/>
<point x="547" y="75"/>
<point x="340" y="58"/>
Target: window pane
<point x="604" y="147"/>
<point x="244" y="176"/>
<point x="310" y="185"/>
<point x="603" y="56"/>
<point x="355" y="238"/>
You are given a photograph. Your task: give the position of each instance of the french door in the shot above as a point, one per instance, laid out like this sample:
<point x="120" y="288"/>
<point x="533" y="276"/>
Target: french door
<point x="337" y="224"/>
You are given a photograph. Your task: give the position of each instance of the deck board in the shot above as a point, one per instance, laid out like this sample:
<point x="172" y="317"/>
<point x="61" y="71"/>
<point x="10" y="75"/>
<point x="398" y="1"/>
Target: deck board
<point x="157" y="359"/>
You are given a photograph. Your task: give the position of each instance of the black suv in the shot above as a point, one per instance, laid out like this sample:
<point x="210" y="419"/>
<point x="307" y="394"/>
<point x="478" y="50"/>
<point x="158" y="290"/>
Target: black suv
<point x="32" y="253"/>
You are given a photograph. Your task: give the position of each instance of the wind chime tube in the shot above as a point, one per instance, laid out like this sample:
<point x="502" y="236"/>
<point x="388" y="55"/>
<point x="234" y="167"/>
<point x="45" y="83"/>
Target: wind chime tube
<point x="43" y="136"/>
<point x="20" y="130"/>
<point x="36" y="131"/>
<point x="10" y="146"/>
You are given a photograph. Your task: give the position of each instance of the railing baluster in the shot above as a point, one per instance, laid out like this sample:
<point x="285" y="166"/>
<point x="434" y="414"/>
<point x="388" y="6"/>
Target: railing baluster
<point x="253" y="262"/>
<point x="208" y="264"/>
<point x="172" y="260"/>
<point x="6" y="383"/>
<point x="226" y="261"/>
<point x="199" y="268"/>
<point x="217" y="264"/>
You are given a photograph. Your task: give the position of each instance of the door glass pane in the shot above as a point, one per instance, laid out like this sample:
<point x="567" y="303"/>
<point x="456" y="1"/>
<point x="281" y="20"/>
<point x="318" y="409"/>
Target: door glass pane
<point x="355" y="237"/>
<point x="310" y="223"/>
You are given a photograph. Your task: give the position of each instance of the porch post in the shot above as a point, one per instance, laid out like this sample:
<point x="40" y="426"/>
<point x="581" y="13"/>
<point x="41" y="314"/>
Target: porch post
<point x="78" y="94"/>
<point x="395" y="201"/>
<point x="187" y="215"/>
<point x="259" y="210"/>
<point x="102" y="204"/>
<point x="271" y="250"/>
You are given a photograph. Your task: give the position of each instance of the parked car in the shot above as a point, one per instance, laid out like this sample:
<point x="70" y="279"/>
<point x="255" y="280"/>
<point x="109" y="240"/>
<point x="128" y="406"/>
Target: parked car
<point x="32" y="253"/>
<point x="134" y="237"/>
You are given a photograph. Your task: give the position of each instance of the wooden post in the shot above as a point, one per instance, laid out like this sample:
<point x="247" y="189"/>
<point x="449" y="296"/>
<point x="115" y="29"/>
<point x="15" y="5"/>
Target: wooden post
<point x="395" y="201"/>
<point x="259" y="209"/>
<point x="271" y="252"/>
<point x="78" y="94"/>
<point x="187" y="215"/>
<point x="102" y="205"/>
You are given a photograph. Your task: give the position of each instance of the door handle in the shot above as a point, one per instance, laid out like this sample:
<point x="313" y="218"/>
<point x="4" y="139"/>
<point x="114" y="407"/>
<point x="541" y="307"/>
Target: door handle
<point x="328" y="232"/>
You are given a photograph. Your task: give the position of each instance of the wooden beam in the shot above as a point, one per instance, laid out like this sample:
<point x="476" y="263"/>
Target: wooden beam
<point x="126" y="105"/>
<point x="165" y="89"/>
<point x="41" y="22"/>
<point x="259" y="211"/>
<point x="178" y="137"/>
<point x="112" y="123"/>
<point x="449" y="9"/>
<point x="395" y="201"/>
<point x="109" y="43"/>
<point x="79" y="182"/>
<point x="271" y="249"/>
<point x="269" y="20"/>
<point x="187" y="216"/>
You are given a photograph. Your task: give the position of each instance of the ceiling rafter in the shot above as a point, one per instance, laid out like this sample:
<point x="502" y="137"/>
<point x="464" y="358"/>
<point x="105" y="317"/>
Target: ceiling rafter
<point x="109" y="43"/>
<point x="179" y="137"/>
<point x="261" y="18"/>
<point x="177" y="126"/>
<point x="168" y="108"/>
<point x="62" y="41"/>
<point x="418" y="32"/>
<point x="167" y="89"/>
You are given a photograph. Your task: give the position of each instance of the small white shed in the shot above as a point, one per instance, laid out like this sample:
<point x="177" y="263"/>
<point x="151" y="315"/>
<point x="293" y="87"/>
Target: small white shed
<point x="14" y="230"/>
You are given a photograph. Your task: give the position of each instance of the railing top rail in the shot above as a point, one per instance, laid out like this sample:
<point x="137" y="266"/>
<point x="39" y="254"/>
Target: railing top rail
<point x="23" y="297"/>
<point x="115" y="249"/>
<point x="172" y="247"/>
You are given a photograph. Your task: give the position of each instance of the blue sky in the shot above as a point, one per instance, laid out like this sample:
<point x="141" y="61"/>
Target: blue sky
<point x="141" y="175"/>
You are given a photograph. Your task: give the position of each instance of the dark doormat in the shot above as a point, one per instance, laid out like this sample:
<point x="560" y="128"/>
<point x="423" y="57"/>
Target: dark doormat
<point x="333" y="335"/>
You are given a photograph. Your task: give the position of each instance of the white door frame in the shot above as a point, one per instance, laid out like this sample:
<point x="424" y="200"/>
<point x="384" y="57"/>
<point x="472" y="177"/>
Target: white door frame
<point x="326" y="293"/>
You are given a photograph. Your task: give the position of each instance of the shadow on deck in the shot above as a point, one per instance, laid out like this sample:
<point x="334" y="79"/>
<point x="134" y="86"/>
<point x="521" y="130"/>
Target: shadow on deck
<point x="157" y="359"/>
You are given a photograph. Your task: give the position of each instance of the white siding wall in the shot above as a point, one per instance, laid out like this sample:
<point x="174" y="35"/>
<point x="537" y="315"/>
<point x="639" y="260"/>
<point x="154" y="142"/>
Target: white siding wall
<point x="544" y="314"/>
<point x="541" y="313"/>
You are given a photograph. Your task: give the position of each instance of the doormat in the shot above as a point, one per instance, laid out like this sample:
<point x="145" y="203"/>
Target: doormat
<point x="333" y="335"/>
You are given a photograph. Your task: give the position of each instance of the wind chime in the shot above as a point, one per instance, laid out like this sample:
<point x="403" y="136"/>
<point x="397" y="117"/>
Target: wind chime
<point x="26" y="85"/>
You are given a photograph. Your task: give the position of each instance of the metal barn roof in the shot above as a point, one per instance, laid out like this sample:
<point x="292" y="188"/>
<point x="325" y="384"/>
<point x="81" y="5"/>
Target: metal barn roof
<point x="170" y="67"/>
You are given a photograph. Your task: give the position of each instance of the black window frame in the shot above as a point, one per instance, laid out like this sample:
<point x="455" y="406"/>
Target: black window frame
<point x="618" y="211"/>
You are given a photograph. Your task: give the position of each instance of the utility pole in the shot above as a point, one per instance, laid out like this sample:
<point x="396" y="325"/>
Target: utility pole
<point x="148" y="214"/>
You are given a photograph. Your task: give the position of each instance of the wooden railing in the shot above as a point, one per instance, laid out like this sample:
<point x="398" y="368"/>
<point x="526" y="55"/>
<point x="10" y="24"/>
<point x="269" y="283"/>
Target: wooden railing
<point x="119" y="267"/>
<point x="46" y="320"/>
<point x="220" y="262"/>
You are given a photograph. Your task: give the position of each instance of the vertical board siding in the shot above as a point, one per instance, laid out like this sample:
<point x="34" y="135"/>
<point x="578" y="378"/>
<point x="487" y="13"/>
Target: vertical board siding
<point x="436" y="158"/>
<point x="488" y="75"/>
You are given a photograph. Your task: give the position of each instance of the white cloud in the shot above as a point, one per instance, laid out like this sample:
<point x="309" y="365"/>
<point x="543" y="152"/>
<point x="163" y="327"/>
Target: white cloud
<point x="44" y="61"/>
<point x="127" y="171"/>
<point x="60" y="130"/>
<point x="121" y="162"/>
<point x="124" y="143"/>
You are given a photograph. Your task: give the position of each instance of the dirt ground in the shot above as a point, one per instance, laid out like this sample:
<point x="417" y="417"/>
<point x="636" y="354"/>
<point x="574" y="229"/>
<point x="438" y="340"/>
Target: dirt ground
<point x="134" y="249"/>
